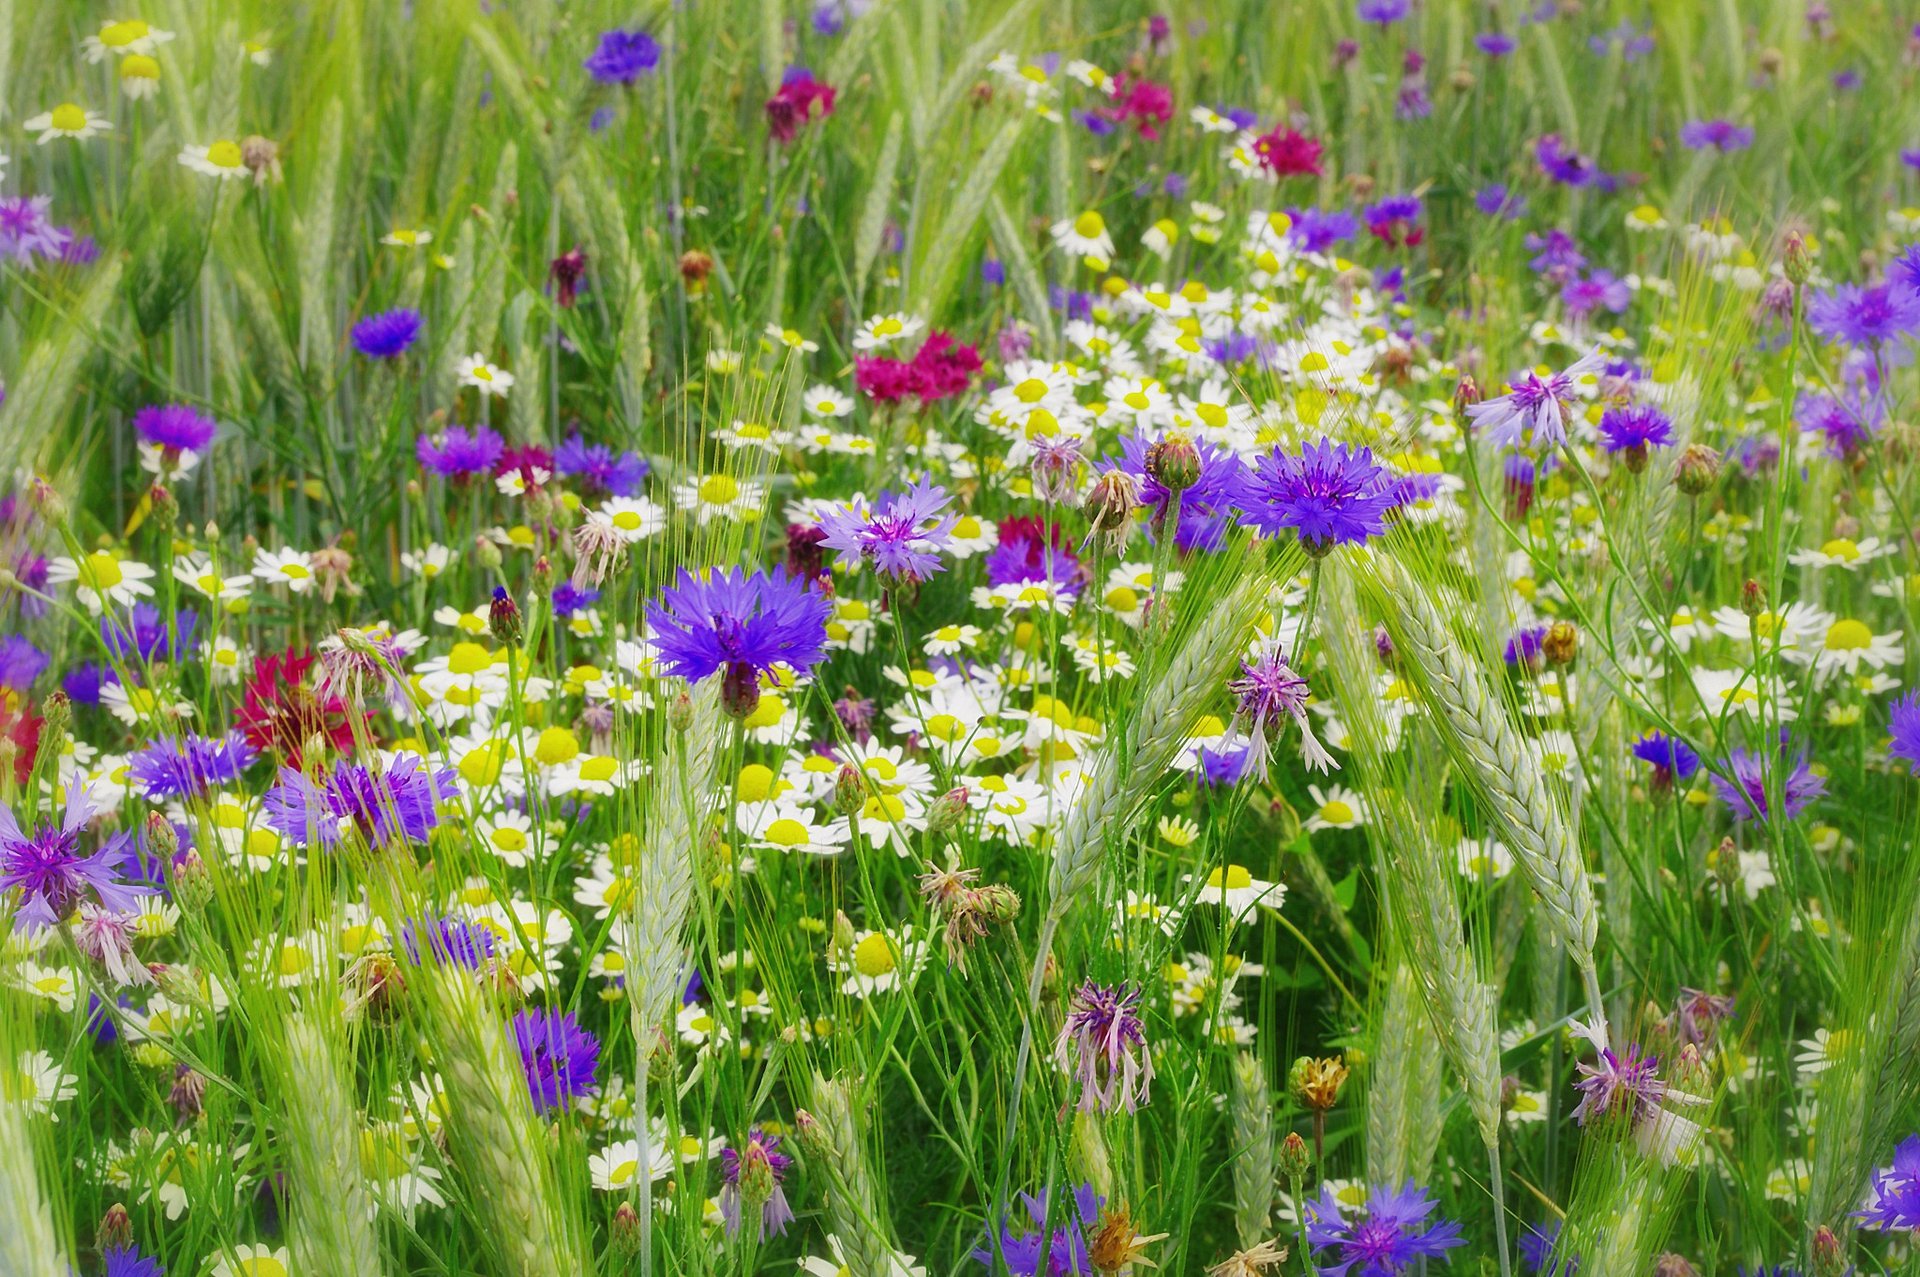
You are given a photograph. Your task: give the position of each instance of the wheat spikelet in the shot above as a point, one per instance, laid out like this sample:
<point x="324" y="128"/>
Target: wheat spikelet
<point x="333" y="1217"/>
<point x="831" y="1138"/>
<point x="1482" y="732"/>
<point x="495" y="1139"/>
<point x="29" y="1244"/>
<point x="1253" y="1152"/>
<point x="1404" y="1091"/>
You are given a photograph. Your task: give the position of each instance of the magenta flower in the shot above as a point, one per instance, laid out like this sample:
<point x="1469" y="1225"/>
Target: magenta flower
<point x="1103" y="1045"/>
<point x="52" y="875"/>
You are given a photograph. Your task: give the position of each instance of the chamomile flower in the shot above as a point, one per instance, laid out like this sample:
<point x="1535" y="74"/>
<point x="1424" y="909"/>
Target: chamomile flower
<point x="1336" y="807"/>
<point x="38" y="1083"/>
<point x="427" y="562"/>
<point x="103" y="578"/>
<point x="882" y="331"/>
<point x="402" y="237"/>
<point x="1483" y="860"/>
<point x="791" y="339"/>
<point x="1849" y="644"/>
<point x="198" y="572"/>
<point x="220" y="159"/>
<point x="285" y="566"/>
<point x="252" y="1261"/>
<point x="1235" y="889"/>
<point x="633" y="519"/>
<point x="474" y="370"/>
<point x="1085" y="236"/>
<point x="120" y="37"/>
<point x="1840" y="552"/>
<point x="719" y="496"/>
<point x="878" y="962"/>
<point x="139" y="77"/>
<point x="616" y="1168"/>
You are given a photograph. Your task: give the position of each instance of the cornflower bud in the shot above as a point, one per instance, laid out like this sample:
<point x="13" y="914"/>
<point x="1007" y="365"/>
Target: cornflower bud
<point x="1560" y="643"/>
<point x="1174" y="462"/>
<point x="1696" y="470"/>
<point x="948" y="810"/>
<point x="116" y="1229"/>
<point x="1295" y="1158"/>
<point x="503" y="618"/>
<point x="1753" y="598"/>
<point x="849" y="791"/>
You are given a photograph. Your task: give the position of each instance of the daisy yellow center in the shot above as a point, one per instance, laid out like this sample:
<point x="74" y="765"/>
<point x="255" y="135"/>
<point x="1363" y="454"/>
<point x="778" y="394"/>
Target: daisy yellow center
<point x="382" y="1155"/>
<point x="482" y="373"/>
<point x="1032" y="390"/>
<point x="468" y="658"/>
<point x="945" y="727"/>
<point x="1848" y="636"/>
<point x="718" y="489"/>
<point x="101" y="571"/>
<point x="295" y="571"/>
<point x="1233" y="878"/>
<point x="405" y="237"/>
<point x="118" y="35"/>
<point x="224" y="154"/>
<point x="1336" y="812"/>
<point x="948" y="634"/>
<point x="787" y="832"/>
<point x="873" y="957"/>
<point x="262" y="1266"/>
<point x="1089" y="224"/>
<point x="599" y="768"/>
<point x="1138" y="401"/>
<point x="1122" y="599"/>
<point x="557" y="745"/>
<point x="1842" y="549"/>
<point x="1211" y="415"/>
<point x="624" y="1172"/>
<point x="138" y="66"/>
<point x="885" y="807"/>
<point x="887" y="327"/>
<point x="293" y="960"/>
<point x="481" y="767"/>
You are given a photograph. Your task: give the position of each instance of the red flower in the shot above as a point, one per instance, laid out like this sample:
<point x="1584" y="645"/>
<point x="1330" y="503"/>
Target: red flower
<point x="20" y="730"/>
<point x="1146" y="103"/>
<point x="794" y="106"/>
<point x="280" y="712"/>
<point x="1289" y="153"/>
<point x="940" y="369"/>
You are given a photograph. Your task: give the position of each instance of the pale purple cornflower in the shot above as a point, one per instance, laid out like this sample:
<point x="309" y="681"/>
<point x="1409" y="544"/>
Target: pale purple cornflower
<point x="1601" y="290"/>
<point x="460" y="453"/>
<point x="1391" y="1235"/>
<point x="52" y="875"/>
<point x="1865" y="316"/>
<point x="106" y="936"/>
<point x="901" y="536"/>
<point x="1269" y="693"/>
<point x="25" y="230"/>
<point x="1103" y="1045"/>
<point x="1696" y="1017"/>
<point x="1542" y="405"/>
<point x="385" y="803"/>
<point x="1623" y="1095"/>
<point x="557" y="1056"/>
<point x="751" y="1175"/>
<point x="1746" y="792"/>
<point x="1056" y="467"/>
<point x="1895" y="1189"/>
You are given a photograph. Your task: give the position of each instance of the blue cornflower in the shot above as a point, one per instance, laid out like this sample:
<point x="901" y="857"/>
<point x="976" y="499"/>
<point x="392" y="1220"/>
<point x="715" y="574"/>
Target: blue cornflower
<point x="385" y="803"/>
<point x="901" y="535"/>
<point x="1495" y="44"/>
<point x="52" y="875"/>
<point x="1632" y="42"/>
<point x="1524" y="646"/>
<point x="188" y="766"/>
<point x="83" y="682"/>
<point x="1206" y="507"/>
<point x="1746" y="792"/>
<point x="1316" y="230"/>
<point x="1896" y="1189"/>
<point x="174" y="427"/>
<point x="449" y="941"/>
<point x="1904" y="726"/>
<point x="569" y="599"/>
<point x="460" y="453"/>
<point x="127" y="1261"/>
<point x="745" y="622"/>
<point x="1066" y="1250"/>
<point x="755" y="1171"/>
<point x="1718" y="135"/>
<point x="147" y="634"/>
<point x="557" y="1055"/>
<point x="1497" y="200"/>
<point x="598" y="466"/>
<point x="1671" y="758"/>
<point x="388" y="334"/>
<point x="20" y="662"/>
<point x="1392" y="1235"/>
<point x="1540" y="1249"/>
<point x="623" y="57"/>
<point x="1633" y="430"/>
<point x="1383" y="12"/>
<point x="1328" y="493"/>
<point x="1562" y="163"/>
<point x="1865" y="316"/>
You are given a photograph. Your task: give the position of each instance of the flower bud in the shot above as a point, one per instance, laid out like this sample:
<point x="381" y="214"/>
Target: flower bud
<point x="486" y="554"/>
<point x="1829" y="1253"/>
<point x="849" y="791"/>
<point x="1697" y="469"/>
<point x="997" y="902"/>
<point x="812" y="1136"/>
<point x="1110" y="504"/>
<point x="543" y="576"/>
<point x="1316" y="1083"/>
<point x="1560" y="643"/>
<point x="680" y="712"/>
<point x="189" y="1088"/>
<point x="116" y="1229"/>
<point x="624" y="1232"/>
<point x="948" y="810"/>
<point x="1295" y="1158"/>
<point x="192" y="885"/>
<point x="166" y="510"/>
<point x="503" y="618"/>
<point x="1174" y="462"/>
<point x="1466" y="393"/>
<point x="48" y="501"/>
<point x="1672" y="1265"/>
<point x="1797" y="258"/>
<point x="1753" y="598"/>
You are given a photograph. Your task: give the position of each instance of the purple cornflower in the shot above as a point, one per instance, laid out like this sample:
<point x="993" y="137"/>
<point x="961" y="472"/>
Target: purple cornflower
<point x="622" y="57"/>
<point x="386" y="804"/>
<point x="1697" y="1015"/>
<point x="1030" y="550"/>
<point x="1496" y="200"/>
<point x="598" y="466"/>
<point x="1328" y="493"/>
<point x="1206" y="507"/>
<point x="1104" y="1045"/>
<point x="1670" y="757"/>
<point x="1857" y="316"/>
<point x="1524" y="646"/>
<point x="127" y="1261"/>
<point x="188" y="766"/>
<point x="1495" y="44"/>
<point x="1269" y="693"/>
<point x="1556" y="256"/>
<point x="1540" y="1249"/>
<point x="83" y="682"/>
<point x="1394" y="221"/>
<point x="388" y="334"/>
<point x="449" y="941"/>
<point x="1383" y="12"/>
<point x="52" y="875"/>
<point x="568" y="600"/>
<point x="26" y="232"/>
<point x="901" y="536"/>
<point x="1746" y="793"/>
<point x="1719" y="135"/>
<point x="1848" y="421"/>
<point x="1601" y="290"/>
<point x="460" y="453"/>
<point x="1904" y="725"/>
<point x="1896" y="1190"/>
<point x="1562" y="163"/>
<point x="1629" y="39"/>
<point x="557" y="1055"/>
<point x="752" y="1175"/>
<point x="1316" y="230"/>
<point x="1634" y="430"/>
<point x="1392" y="1235"/>
<point x="146" y="633"/>
<point x="1905" y="269"/>
<point x="20" y="663"/>
<point x="746" y="623"/>
<point x="174" y="427"/>
<point x="1065" y="1251"/>
<point x="1225" y="767"/>
<point x="1617" y="1087"/>
<point x="1540" y="404"/>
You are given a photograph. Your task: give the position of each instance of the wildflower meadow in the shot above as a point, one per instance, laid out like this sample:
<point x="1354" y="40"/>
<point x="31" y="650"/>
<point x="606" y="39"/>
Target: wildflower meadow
<point x="899" y="638"/>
